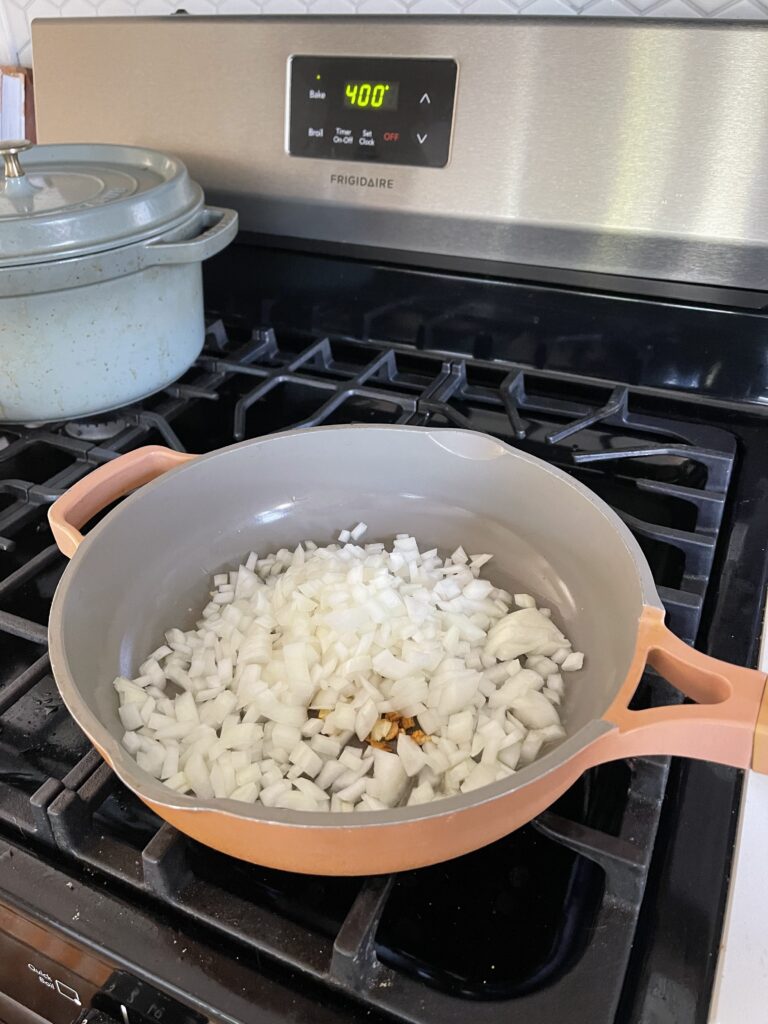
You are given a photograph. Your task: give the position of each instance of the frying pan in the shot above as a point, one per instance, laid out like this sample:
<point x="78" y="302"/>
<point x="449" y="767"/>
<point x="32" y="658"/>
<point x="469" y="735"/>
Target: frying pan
<point x="147" y="565"/>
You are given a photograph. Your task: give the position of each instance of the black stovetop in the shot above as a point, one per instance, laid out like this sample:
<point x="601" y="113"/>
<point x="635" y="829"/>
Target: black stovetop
<point x="624" y="879"/>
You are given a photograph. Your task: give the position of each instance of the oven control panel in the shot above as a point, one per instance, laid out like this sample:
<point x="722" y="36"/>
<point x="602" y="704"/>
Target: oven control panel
<point x="48" y="979"/>
<point x="387" y="110"/>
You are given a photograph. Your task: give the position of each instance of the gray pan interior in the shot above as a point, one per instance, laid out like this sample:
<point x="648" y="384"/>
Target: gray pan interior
<point x="147" y="566"/>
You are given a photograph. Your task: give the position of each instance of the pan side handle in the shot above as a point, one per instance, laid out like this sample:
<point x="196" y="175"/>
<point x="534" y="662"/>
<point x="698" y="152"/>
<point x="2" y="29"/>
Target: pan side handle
<point x="103" y="486"/>
<point x="728" y="724"/>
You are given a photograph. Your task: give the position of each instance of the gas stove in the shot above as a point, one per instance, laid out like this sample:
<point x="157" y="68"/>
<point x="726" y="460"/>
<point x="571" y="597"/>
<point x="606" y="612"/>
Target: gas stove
<point x="650" y="389"/>
<point x="519" y="929"/>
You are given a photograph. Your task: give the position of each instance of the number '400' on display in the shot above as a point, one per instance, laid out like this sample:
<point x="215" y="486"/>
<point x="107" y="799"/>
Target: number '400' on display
<point x="371" y="95"/>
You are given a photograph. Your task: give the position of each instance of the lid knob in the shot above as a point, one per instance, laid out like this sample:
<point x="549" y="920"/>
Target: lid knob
<point x="9" y="150"/>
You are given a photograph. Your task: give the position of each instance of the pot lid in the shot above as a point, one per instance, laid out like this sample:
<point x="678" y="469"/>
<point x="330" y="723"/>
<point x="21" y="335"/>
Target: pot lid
<point x="70" y="200"/>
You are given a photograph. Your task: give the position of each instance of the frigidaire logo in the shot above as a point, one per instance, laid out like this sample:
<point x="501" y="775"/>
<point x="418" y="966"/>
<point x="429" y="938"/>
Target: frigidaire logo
<point x="361" y="181"/>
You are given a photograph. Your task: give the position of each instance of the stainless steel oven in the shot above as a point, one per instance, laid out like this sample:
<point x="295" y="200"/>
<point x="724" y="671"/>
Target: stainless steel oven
<point x="568" y="252"/>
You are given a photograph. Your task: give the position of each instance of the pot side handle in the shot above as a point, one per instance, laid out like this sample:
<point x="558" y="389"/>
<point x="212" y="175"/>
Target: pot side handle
<point x="727" y="725"/>
<point x="220" y="228"/>
<point x="103" y="486"/>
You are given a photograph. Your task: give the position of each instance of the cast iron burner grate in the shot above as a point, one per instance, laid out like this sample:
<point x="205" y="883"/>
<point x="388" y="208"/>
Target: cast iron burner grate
<point x="525" y="926"/>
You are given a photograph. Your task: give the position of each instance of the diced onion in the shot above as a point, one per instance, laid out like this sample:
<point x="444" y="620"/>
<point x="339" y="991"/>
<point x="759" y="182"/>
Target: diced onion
<point x="349" y="677"/>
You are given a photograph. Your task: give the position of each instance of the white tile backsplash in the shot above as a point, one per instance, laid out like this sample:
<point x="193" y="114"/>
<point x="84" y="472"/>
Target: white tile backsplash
<point x="16" y="15"/>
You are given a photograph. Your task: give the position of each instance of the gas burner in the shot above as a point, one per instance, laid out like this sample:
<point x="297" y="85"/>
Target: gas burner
<point x="95" y="428"/>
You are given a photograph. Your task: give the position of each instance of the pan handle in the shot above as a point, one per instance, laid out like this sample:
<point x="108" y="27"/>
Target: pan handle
<point x="728" y="724"/>
<point x="103" y="486"/>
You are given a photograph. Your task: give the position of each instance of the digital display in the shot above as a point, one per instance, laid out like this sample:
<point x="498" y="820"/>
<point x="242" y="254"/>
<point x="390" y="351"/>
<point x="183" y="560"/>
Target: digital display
<point x="371" y="95"/>
<point x="384" y="110"/>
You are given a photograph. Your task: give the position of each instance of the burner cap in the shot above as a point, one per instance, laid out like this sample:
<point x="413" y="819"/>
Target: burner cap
<point x="95" y="429"/>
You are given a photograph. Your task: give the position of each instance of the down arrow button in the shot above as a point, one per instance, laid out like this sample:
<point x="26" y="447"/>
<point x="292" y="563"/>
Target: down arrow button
<point x="422" y="138"/>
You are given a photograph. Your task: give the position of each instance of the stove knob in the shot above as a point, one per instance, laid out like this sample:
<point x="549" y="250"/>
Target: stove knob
<point x="126" y="1000"/>
<point x="95" y="1017"/>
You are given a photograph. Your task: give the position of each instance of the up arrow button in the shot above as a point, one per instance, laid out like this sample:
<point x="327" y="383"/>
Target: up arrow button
<point x="425" y="98"/>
